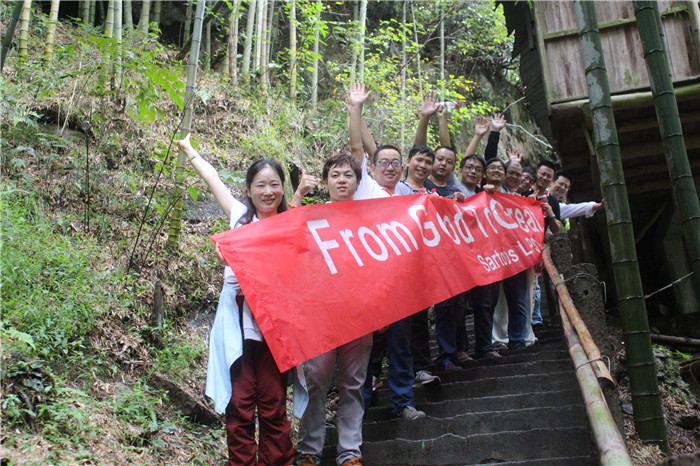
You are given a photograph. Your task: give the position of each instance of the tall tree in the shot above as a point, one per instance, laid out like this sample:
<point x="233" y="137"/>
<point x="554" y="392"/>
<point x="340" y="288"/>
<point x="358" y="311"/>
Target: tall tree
<point x="144" y="19"/>
<point x="646" y="399"/>
<point x="206" y="63"/>
<point x="293" y="50"/>
<point x="684" y="192"/>
<point x="271" y="33"/>
<point x="361" y="41"/>
<point x="51" y="31"/>
<point x="109" y="21"/>
<point x="10" y="32"/>
<point x="128" y="21"/>
<point x="403" y="71"/>
<point x="263" y="46"/>
<point x="156" y="13"/>
<point x="91" y="13"/>
<point x="85" y="11"/>
<point x="233" y="45"/>
<point x="117" y="34"/>
<point x="248" y="43"/>
<point x="188" y="21"/>
<point x="314" y="73"/>
<point x="259" y="34"/>
<point x="176" y="219"/>
<point x="24" y="30"/>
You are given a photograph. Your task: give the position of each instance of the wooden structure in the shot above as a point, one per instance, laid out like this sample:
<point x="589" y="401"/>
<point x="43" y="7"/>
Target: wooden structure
<point x="551" y="67"/>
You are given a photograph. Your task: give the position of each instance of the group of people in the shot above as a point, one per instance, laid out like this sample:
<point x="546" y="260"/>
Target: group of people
<point x="242" y="376"/>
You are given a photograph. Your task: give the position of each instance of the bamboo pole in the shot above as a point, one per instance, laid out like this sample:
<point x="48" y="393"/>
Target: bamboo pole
<point x="293" y="50"/>
<point x="611" y="445"/>
<point x="646" y="399"/>
<point x="51" y="32"/>
<point x="176" y="219"/>
<point x="684" y="192"/>
<point x="587" y="342"/>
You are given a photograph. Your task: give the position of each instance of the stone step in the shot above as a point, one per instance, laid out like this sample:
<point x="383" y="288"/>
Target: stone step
<point x="455" y="386"/>
<point x="466" y="424"/>
<point x="448" y="408"/>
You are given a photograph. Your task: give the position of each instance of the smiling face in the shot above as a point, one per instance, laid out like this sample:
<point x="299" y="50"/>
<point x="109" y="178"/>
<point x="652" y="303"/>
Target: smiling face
<point x="560" y="188"/>
<point x="544" y="177"/>
<point x="514" y="174"/>
<point x="387" y="169"/>
<point x="419" y="168"/>
<point x="266" y="192"/>
<point x="495" y="173"/>
<point x="444" y="164"/>
<point x="471" y="173"/>
<point x="526" y="182"/>
<point x="342" y="182"/>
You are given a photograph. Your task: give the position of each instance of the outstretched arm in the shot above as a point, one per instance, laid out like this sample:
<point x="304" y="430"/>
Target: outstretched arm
<point x="220" y="192"/>
<point x="356" y="98"/>
<point x="444" y="128"/>
<point x="368" y="141"/>
<point x="429" y="107"/>
<point x="481" y="127"/>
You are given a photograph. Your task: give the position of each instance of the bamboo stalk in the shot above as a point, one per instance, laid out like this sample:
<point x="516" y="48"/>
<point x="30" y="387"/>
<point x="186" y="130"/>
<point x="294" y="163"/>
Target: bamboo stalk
<point x="610" y="442"/>
<point x="684" y="192"/>
<point x="587" y="342"/>
<point x="646" y="398"/>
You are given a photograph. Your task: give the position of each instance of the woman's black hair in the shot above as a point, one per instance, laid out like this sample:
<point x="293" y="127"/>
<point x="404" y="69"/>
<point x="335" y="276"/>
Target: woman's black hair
<point x="254" y="169"/>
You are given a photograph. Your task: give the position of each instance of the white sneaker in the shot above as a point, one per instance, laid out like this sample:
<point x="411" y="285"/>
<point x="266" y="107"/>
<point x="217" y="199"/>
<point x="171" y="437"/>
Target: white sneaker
<point x="425" y="377"/>
<point x="409" y="413"/>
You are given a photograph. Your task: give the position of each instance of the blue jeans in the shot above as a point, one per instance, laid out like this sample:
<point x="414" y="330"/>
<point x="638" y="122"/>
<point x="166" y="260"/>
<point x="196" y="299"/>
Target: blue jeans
<point x="536" y="313"/>
<point x="515" y="290"/>
<point x="400" y="373"/>
<point x="447" y="330"/>
<point x="484" y="299"/>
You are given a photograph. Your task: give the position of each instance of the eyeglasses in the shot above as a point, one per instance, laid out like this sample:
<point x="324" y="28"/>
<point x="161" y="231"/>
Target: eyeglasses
<point x="476" y="168"/>
<point x="385" y="163"/>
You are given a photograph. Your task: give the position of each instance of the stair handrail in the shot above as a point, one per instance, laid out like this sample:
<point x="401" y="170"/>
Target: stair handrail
<point x="610" y="442"/>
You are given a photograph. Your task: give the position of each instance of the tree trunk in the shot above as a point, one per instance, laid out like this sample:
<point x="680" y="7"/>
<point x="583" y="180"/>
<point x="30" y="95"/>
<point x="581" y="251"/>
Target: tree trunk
<point x="213" y="11"/>
<point x="233" y="46"/>
<point x="24" y="30"/>
<point x="128" y="21"/>
<point x="85" y="11"/>
<point x="91" y="13"/>
<point x="684" y="193"/>
<point x="263" y="47"/>
<point x="206" y="62"/>
<point x="188" y="22"/>
<point x="293" y="50"/>
<point x="646" y="399"/>
<point x="418" y="62"/>
<point x="109" y="21"/>
<point x="314" y="73"/>
<point x="144" y="19"/>
<point x="10" y="32"/>
<point x="361" y="41"/>
<point x="156" y="13"/>
<point x="248" y="43"/>
<point x="117" y="34"/>
<point x="259" y="34"/>
<point x="272" y="19"/>
<point x="176" y="219"/>
<point x="442" y="52"/>
<point x="403" y="73"/>
<point x="51" y="32"/>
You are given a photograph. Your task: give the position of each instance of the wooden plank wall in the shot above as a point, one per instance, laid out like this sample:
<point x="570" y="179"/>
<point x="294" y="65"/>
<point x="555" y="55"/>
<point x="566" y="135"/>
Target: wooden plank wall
<point x="563" y="63"/>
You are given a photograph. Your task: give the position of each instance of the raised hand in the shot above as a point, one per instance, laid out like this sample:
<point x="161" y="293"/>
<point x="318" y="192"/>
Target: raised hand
<point x="515" y="155"/>
<point x="429" y="104"/>
<point x="307" y="183"/>
<point x="357" y="95"/>
<point x="498" y="122"/>
<point x="481" y="126"/>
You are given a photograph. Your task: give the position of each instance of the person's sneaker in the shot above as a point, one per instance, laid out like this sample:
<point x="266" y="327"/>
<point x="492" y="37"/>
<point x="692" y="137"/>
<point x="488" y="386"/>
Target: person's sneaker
<point x="463" y="357"/>
<point x="426" y="378"/>
<point x="376" y="383"/>
<point x="492" y="355"/>
<point x="356" y="461"/>
<point x="409" y="413"/>
<point x="306" y="460"/>
<point x="500" y="347"/>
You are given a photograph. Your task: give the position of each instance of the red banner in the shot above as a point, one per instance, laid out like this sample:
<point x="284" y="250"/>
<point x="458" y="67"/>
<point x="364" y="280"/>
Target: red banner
<point x="319" y="276"/>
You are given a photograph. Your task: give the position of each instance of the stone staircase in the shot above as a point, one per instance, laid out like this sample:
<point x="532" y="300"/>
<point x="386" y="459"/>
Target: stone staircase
<point x="522" y="409"/>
